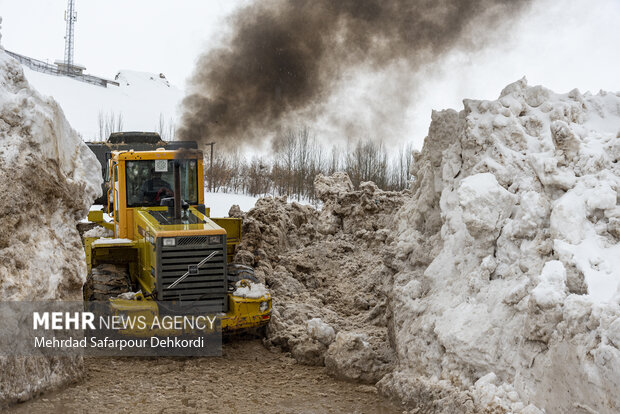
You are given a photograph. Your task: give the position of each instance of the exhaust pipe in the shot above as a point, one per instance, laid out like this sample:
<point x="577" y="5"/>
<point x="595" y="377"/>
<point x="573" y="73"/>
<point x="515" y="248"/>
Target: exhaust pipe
<point x="177" y="189"/>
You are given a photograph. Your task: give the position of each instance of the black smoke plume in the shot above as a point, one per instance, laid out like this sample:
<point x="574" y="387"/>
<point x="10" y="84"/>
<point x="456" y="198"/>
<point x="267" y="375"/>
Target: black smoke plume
<point x="285" y="57"/>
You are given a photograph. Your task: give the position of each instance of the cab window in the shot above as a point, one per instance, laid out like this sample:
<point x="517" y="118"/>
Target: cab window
<point x="150" y="181"/>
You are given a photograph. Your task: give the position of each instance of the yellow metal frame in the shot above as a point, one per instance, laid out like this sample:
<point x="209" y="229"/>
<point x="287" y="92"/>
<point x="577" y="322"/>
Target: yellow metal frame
<point x="96" y="216"/>
<point x="243" y="313"/>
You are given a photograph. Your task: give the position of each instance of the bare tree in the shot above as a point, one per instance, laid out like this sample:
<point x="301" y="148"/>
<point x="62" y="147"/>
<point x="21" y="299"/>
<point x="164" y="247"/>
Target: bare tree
<point x="101" y="125"/>
<point x="171" y="129"/>
<point x="367" y="161"/>
<point x="109" y="123"/>
<point x="161" y="127"/>
<point x="335" y="163"/>
<point x="119" y="122"/>
<point x="298" y="157"/>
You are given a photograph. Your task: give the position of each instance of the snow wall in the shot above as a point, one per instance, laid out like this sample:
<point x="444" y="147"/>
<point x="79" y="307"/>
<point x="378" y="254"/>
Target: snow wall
<point x="507" y="255"/>
<point x="48" y="180"/>
<point x="491" y="285"/>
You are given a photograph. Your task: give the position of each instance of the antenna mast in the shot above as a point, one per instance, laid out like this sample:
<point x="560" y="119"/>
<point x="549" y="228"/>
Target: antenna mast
<point x="70" y="18"/>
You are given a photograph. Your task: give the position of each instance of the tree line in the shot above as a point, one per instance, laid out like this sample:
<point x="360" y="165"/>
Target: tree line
<point x="297" y="158"/>
<point x="109" y="122"/>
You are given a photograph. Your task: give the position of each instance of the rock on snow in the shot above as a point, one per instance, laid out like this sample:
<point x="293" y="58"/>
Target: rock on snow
<point x="48" y="180"/>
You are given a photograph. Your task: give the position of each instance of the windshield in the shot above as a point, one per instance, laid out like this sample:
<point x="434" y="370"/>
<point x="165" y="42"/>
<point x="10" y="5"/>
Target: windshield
<point x="149" y="181"/>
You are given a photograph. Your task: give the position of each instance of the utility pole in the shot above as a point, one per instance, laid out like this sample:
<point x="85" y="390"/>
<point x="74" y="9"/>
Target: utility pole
<point x="211" y="144"/>
<point x="70" y="18"/>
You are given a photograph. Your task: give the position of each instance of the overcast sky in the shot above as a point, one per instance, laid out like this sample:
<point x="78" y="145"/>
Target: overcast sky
<point x="560" y="44"/>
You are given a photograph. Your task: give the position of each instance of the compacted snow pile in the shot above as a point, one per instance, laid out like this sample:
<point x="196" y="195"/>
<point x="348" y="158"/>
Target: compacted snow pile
<point x="48" y="180"/>
<point x="326" y="275"/>
<point x="507" y="283"/>
<point x="492" y="285"/>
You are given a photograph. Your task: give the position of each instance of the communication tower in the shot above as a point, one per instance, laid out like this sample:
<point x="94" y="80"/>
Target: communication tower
<point x="70" y="18"/>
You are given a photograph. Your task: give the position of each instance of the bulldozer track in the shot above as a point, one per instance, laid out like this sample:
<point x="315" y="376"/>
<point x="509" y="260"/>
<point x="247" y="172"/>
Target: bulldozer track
<point x="106" y="281"/>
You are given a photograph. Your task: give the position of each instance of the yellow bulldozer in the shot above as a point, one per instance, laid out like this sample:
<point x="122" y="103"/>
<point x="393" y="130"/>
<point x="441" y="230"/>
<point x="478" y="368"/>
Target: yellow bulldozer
<point x="163" y="247"/>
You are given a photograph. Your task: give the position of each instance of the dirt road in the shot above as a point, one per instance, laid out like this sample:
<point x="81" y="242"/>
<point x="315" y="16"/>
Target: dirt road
<point x="248" y="378"/>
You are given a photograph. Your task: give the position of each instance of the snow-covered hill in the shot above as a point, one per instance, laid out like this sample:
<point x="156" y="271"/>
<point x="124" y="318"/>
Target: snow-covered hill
<point x="143" y="100"/>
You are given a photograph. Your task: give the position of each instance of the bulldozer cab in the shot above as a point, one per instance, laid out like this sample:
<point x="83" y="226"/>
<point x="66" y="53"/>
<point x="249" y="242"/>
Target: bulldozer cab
<point x="151" y="181"/>
<point x="145" y="181"/>
<point x="125" y="141"/>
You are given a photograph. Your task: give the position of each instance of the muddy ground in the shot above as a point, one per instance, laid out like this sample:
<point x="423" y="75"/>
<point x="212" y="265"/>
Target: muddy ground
<point x="247" y="378"/>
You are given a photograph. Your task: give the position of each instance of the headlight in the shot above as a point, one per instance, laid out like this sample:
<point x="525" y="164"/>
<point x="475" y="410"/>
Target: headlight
<point x="215" y="239"/>
<point x="169" y="242"/>
<point x="264" y="306"/>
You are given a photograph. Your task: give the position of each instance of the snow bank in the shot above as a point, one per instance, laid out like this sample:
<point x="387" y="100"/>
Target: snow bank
<point x="506" y="287"/>
<point x="492" y="285"/>
<point x="48" y="180"/>
<point x="326" y="275"/>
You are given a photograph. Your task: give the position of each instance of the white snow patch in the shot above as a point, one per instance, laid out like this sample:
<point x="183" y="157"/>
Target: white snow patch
<point x="485" y="203"/>
<point x="600" y="264"/>
<point x="98" y="232"/>
<point x="250" y="290"/>
<point x="106" y="240"/>
<point x="322" y="332"/>
<point x="128" y="295"/>
<point x="552" y="289"/>
<point x="220" y="203"/>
